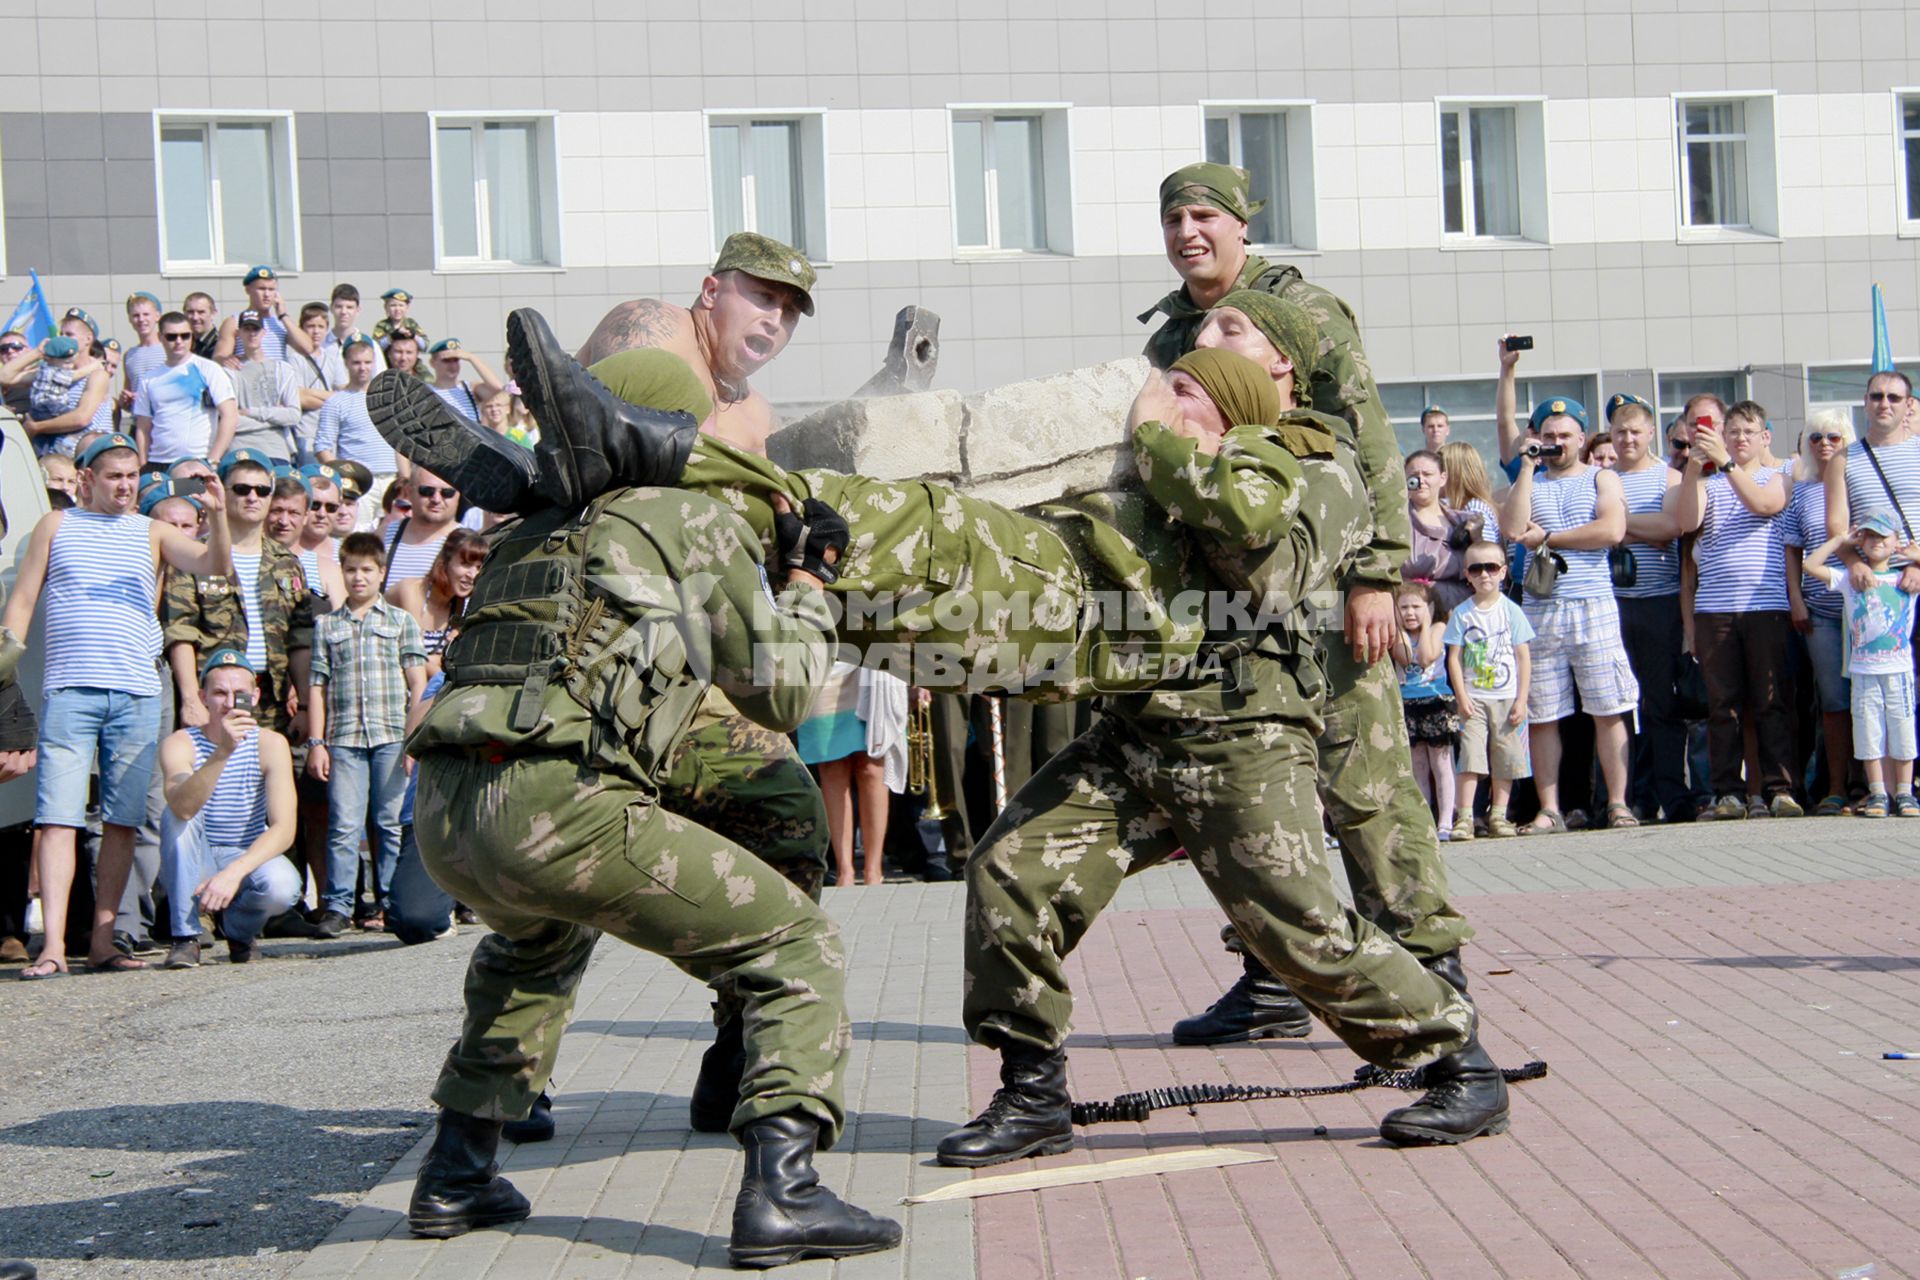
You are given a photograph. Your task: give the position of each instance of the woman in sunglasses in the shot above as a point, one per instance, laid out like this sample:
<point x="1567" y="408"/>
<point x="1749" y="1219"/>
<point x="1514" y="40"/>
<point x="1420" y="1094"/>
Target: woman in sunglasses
<point x="1815" y="606"/>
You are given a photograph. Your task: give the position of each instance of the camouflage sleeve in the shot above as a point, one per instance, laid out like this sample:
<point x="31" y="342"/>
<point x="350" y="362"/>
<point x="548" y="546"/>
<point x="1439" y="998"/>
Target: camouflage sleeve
<point x="1343" y="386"/>
<point x="188" y="617"/>
<point x="1248" y="493"/>
<point x="774" y="665"/>
<point x="300" y="614"/>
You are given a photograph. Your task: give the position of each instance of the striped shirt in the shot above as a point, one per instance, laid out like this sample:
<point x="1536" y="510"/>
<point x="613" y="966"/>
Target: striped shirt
<point x="1490" y="527"/>
<point x="102" y="606"/>
<point x="310" y="566"/>
<point x="459" y="398"/>
<point x="410" y="560"/>
<point x="344" y="430"/>
<point x="1804" y="525"/>
<point x="1559" y="505"/>
<point x="235" y="815"/>
<point x="360" y="661"/>
<point x="1657" y="568"/>
<point x="140" y="362"/>
<point x="1865" y="493"/>
<point x="246" y="574"/>
<point x="102" y="419"/>
<point x="1743" y="568"/>
<point x="273" y="338"/>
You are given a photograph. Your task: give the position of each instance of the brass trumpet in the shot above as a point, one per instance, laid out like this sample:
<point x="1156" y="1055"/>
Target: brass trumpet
<point x="921" y="777"/>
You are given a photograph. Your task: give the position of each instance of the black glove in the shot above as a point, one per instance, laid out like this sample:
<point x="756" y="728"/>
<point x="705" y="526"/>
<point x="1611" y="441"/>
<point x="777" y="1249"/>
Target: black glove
<point x="18" y="729"/>
<point x="805" y="536"/>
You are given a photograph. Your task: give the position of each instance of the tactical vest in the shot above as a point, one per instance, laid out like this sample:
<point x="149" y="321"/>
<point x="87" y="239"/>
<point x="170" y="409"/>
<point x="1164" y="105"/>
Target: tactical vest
<point x="554" y="658"/>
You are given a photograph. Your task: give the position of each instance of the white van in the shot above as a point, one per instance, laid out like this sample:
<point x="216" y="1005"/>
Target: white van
<point x="23" y="500"/>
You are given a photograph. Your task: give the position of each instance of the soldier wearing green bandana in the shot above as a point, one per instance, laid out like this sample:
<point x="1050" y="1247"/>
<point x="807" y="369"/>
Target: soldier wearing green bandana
<point x="1387" y="836"/>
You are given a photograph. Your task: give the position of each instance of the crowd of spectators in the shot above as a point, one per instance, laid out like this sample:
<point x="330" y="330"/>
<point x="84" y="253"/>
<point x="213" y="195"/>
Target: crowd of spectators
<point x="1711" y="631"/>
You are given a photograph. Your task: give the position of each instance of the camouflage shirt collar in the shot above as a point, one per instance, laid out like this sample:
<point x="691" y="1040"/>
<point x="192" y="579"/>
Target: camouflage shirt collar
<point x="1179" y="304"/>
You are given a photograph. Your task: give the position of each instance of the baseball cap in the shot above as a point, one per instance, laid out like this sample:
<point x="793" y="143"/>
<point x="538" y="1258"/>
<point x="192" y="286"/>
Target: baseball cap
<point x="765" y="258"/>
<point x="106" y="443"/>
<point x="1880" y="521"/>
<point x="225" y="658"/>
<point x="250" y="320"/>
<point x="1559" y="405"/>
<point x="238" y="457"/>
<point x="60" y="348"/>
<point x="259" y="273"/>
<point x="80" y="314"/>
<point x="401" y="294"/>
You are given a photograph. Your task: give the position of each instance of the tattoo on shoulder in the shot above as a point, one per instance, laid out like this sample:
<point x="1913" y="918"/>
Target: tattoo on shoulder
<point x="644" y="322"/>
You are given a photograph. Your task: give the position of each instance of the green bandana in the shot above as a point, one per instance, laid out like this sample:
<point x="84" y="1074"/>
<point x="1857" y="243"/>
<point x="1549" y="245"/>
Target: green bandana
<point x="1220" y="185"/>
<point x="655" y="379"/>
<point x="1244" y="393"/>
<point x="1288" y="326"/>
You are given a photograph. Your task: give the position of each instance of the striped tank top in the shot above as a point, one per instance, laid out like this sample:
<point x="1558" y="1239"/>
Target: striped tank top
<point x="103" y="625"/>
<point x="1865" y="493"/>
<point x="246" y="577"/>
<point x="310" y="566"/>
<point x="236" y="813"/>
<point x="1658" y="567"/>
<point x="1743" y="566"/>
<point x="460" y="399"/>
<point x="1804" y="525"/>
<point x="1568" y="504"/>
<point x="273" y="339"/>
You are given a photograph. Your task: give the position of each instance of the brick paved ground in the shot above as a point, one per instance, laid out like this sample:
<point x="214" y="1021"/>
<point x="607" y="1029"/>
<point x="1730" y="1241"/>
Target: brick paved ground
<point x="1713" y="1001"/>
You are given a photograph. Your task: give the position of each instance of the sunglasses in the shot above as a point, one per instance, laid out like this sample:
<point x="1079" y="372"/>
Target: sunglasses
<point x="12" y="350"/>
<point x="428" y="491"/>
<point x="1891" y="397"/>
<point x="177" y="337"/>
<point x="1821" y="437"/>
<point x="328" y="507"/>
<point x="1486" y="566"/>
<point x="251" y="490"/>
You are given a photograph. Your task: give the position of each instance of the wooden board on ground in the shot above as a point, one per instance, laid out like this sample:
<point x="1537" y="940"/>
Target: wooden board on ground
<point x="1075" y="1175"/>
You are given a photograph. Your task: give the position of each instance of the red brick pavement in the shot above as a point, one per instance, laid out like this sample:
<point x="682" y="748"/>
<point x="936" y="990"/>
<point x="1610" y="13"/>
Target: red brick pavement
<point x="1718" y="1106"/>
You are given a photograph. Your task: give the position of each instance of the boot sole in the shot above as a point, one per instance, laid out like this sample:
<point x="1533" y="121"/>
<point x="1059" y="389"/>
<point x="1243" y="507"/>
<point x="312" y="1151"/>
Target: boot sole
<point x="1276" y="1031"/>
<point x="418" y="424"/>
<point x="761" y="1259"/>
<point x="1414" y="1136"/>
<point x="445" y="1229"/>
<point x="1051" y="1146"/>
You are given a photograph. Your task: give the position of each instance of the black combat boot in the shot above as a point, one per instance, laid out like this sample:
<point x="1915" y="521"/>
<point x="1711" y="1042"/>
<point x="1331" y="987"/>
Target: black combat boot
<point x="1030" y="1115"/>
<point x="591" y="441"/>
<point x="1449" y="967"/>
<point x="460" y="1187"/>
<point x="1256" y="1007"/>
<point x="489" y="470"/>
<point x="783" y="1214"/>
<point x="18" y="1269"/>
<point x="537" y="1127"/>
<point x="717" y="1091"/>
<point x="1466" y="1096"/>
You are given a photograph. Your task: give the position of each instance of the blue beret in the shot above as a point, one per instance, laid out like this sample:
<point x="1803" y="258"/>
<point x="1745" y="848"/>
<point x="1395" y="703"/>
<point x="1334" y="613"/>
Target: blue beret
<point x="238" y="457"/>
<point x="1619" y="398"/>
<point x="60" y="349"/>
<point x="259" y="273"/>
<point x="112" y="440"/>
<point x="225" y="658"/>
<point x="79" y="313"/>
<point x="1559" y="405"/>
<point x="401" y="294"/>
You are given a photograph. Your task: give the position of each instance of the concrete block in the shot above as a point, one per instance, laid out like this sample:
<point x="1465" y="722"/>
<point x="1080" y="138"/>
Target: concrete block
<point x="1032" y="425"/>
<point x="910" y="437"/>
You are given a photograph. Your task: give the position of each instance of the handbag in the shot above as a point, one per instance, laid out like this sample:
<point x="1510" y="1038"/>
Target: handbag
<point x="1623" y="565"/>
<point x="1544" y="568"/>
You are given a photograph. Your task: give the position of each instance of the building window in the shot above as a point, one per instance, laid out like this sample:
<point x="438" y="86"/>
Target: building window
<point x="1493" y="171"/>
<point x="1274" y="145"/>
<point x="1010" y="181"/>
<point x="1727" y="178"/>
<point x="1843" y="387"/>
<point x="1469" y="408"/>
<point x="495" y="192"/>
<point x="228" y="192"/>
<point x="1907" y="116"/>
<point x="769" y="176"/>
<point x="1675" y="389"/>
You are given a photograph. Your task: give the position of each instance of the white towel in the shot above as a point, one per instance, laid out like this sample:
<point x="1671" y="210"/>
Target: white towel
<point x="883" y="707"/>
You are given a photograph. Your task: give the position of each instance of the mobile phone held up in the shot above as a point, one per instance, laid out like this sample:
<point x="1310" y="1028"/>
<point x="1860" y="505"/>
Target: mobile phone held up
<point x="1520" y="342"/>
<point x="1707" y="468"/>
<point x="243" y="702"/>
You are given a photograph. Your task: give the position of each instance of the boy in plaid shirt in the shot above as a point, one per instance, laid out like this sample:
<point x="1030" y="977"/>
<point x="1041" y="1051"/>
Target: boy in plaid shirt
<point x="369" y="666"/>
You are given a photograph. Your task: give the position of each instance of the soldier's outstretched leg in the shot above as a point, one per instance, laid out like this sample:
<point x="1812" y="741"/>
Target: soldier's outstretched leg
<point x="550" y="853"/>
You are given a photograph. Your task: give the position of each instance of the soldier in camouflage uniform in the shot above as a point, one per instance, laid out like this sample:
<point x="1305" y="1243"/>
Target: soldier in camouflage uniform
<point x="585" y="651"/>
<point x="202" y="613"/>
<point x="1387" y="835"/>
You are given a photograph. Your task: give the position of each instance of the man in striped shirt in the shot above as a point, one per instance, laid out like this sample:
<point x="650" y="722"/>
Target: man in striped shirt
<point x="263" y="295"/>
<point x="98" y="565"/>
<point x="1855" y="485"/>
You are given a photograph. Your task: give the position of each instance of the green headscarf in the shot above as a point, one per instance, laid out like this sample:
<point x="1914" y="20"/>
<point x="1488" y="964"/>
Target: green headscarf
<point x="1244" y="393"/>
<point x="1222" y="186"/>
<point x="1287" y="325"/>
<point x="654" y="379"/>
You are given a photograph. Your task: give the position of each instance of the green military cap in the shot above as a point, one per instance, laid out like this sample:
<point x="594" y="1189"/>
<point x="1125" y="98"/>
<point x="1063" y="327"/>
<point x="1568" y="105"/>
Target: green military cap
<point x="1287" y="325"/>
<point x="220" y="658"/>
<point x="355" y="478"/>
<point x="1222" y="186"/>
<point x="765" y="258"/>
<point x="400" y="294"/>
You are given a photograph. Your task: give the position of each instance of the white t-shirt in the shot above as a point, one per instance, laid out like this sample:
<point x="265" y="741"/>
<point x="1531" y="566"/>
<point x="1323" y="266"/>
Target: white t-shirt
<point x="1485" y="638"/>
<point x="182" y="400"/>
<point x="1879" y="624"/>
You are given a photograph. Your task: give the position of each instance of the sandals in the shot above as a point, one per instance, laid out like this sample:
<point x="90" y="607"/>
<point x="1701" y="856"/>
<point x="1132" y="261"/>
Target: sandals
<point x="1620" y="816"/>
<point x="118" y="962"/>
<point x="1462" y="829"/>
<point x="1905" y="805"/>
<point x="1500" y="826"/>
<point x="1556" y="824"/>
<point x="1874" y="806"/>
<point x="58" y="970"/>
<point x="1831" y="807"/>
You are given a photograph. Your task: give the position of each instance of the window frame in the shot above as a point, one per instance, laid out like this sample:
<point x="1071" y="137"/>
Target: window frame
<point x="284" y="142"/>
<point x="1856" y="408"/>
<point x="1906" y="221"/>
<point x="1587" y="380"/>
<point x="1665" y="414"/>
<point x="1303" y="167"/>
<point x="1762" y="140"/>
<point x="1058" y="211"/>
<point x="552" y="202"/>
<point x="1533" y="179"/>
<point x="816" y="196"/>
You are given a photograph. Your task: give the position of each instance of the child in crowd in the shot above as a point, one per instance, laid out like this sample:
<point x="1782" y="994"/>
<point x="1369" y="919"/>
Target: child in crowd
<point x="1879" y="635"/>
<point x="1490" y="667"/>
<point x="369" y="665"/>
<point x="1432" y="728"/>
<point x="60" y="475"/>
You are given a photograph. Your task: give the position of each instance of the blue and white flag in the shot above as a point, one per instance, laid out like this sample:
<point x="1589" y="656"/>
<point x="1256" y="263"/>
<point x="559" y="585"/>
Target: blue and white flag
<point x="33" y="318"/>
<point x="1882" y="349"/>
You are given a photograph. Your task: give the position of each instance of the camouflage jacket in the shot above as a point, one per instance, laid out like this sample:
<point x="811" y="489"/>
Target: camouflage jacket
<point x="206" y="612"/>
<point x="1341" y="384"/>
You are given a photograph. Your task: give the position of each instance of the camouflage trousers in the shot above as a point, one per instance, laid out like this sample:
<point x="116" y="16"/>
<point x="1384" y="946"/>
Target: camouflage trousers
<point x="551" y="855"/>
<point x="1239" y="794"/>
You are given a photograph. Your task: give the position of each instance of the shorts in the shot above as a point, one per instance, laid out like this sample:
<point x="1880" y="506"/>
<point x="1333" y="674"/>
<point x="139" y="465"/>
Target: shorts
<point x="1826" y="654"/>
<point x="1486" y="738"/>
<point x="1883" y="716"/>
<point x="1576" y="644"/>
<point x="77" y="725"/>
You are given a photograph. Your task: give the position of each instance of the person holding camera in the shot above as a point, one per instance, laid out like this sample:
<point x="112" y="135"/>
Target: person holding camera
<point x="1569" y="515"/>
<point x="229" y="818"/>
<point x="1440" y="537"/>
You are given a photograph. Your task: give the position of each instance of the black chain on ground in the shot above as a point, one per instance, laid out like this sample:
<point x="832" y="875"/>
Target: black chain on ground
<point x="1137" y="1106"/>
